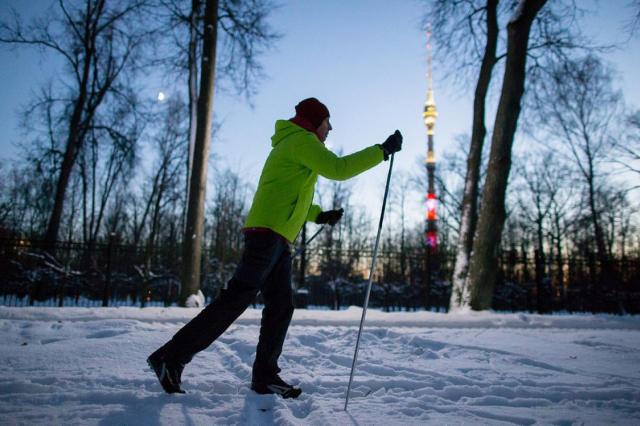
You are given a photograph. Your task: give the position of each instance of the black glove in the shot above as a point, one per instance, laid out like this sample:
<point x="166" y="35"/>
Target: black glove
<point x="392" y="145"/>
<point x="330" y="216"/>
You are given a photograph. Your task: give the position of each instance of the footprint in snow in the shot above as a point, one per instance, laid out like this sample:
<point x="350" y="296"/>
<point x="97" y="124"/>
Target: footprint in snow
<point x="105" y="333"/>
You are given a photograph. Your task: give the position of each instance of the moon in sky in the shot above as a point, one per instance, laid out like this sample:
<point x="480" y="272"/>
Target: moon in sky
<point x="161" y="96"/>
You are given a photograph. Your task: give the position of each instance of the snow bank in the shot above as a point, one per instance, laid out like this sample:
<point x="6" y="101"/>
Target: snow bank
<point x="348" y="317"/>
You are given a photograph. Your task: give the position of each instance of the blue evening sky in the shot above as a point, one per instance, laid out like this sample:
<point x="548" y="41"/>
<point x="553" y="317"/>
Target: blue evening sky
<point x="365" y="59"/>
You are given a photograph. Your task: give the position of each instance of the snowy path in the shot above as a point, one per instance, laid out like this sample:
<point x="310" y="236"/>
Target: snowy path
<point x="87" y="366"/>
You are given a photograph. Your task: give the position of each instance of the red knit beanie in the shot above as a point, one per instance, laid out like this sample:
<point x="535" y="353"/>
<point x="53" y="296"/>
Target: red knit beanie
<point x="310" y="113"/>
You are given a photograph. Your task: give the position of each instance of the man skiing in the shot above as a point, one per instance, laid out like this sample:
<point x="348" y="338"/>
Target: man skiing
<point x="281" y="205"/>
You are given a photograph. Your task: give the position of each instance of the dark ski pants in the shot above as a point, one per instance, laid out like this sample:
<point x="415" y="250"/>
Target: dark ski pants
<point x="265" y="267"/>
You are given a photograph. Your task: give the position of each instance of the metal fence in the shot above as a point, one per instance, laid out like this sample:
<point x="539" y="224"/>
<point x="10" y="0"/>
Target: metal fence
<point x="33" y="273"/>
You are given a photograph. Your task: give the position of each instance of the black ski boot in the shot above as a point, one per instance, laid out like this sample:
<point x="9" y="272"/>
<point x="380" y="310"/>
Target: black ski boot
<point x="169" y="373"/>
<point x="277" y="386"/>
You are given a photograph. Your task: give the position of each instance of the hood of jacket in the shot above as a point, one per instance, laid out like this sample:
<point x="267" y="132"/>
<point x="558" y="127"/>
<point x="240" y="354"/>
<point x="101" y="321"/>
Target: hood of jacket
<point x="285" y="129"/>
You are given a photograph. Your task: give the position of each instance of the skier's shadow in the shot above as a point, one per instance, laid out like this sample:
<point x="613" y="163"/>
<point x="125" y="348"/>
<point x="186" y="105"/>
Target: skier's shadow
<point x="145" y="411"/>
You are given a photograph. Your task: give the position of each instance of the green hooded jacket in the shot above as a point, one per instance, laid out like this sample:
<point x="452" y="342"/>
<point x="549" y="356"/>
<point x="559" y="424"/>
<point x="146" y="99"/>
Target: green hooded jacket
<point x="283" y="199"/>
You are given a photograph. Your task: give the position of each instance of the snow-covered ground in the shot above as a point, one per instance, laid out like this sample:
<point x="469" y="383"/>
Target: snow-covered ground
<point x="86" y="366"/>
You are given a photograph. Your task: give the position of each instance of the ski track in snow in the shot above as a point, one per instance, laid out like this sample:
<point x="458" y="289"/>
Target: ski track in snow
<point x="91" y="369"/>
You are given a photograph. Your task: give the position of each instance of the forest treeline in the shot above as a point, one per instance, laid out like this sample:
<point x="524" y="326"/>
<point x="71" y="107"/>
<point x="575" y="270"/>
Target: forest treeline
<point x="542" y="217"/>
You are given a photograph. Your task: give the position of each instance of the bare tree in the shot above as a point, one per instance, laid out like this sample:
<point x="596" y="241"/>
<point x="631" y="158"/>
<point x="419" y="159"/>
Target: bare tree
<point x="616" y="218"/>
<point x="163" y="185"/>
<point x="634" y="22"/>
<point x="356" y="232"/>
<point x="97" y="41"/>
<point x="193" y="236"/>
<point x="228" y="210"/>
<point x="7" y="203"/>
<point x="451" y="21"/>
<point x="483" y="264"/>
<point x="627" y="151"/>
<point x="585" y="111"/>
<point x="398" y="204"/>
<point x="152" y="210"/>
<point x="244" y="35"/>
<point x="541" y="183"/>
<point x="335" y="195"/>
<point x="42" y="126"/>
<point x="244" y="31"/>
<point x="24" y="208"/>
<point x="467" y="35"/>
<point x="107" y="161"/>
<point x="560" y="215"/>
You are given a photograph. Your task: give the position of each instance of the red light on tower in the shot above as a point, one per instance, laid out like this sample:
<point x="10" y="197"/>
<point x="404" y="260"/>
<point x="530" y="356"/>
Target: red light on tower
<point x="431" y="206"/>
<point x="431" y="238"/>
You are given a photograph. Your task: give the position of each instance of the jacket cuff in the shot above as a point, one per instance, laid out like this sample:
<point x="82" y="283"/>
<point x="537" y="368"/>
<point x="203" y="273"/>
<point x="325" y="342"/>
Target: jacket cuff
<point x="384" y="151"/>
<point x="313" y="213"/>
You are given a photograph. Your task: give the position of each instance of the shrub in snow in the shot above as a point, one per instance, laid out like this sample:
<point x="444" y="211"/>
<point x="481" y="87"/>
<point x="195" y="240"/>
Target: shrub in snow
<point x="195" y="300"/>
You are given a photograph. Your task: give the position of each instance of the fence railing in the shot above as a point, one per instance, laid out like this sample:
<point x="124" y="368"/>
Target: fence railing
<point x="33" y="273"/>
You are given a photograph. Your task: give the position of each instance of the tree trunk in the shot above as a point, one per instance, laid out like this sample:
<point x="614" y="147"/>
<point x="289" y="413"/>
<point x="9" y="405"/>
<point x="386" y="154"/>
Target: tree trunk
<point x="540" y="264"/>
<point x="482" y="268"/>
<point x="559" y="262"/>
<point x="74" y="138"/>
<point x="192" y="241"/>
<point x="601" y="246"/>
<point x="607" y="278"/>
<point x="70" y="153"/>
<point x="193" y="91"/>
<point x="460" y="294"/>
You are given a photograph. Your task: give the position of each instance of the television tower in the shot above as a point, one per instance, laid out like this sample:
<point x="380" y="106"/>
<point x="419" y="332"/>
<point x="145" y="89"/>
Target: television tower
<point x="430" y="114"/>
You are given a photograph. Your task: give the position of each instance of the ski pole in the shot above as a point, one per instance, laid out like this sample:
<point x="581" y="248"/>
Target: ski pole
<point x="366" y="299"/>
<point x="302" y="247"/>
